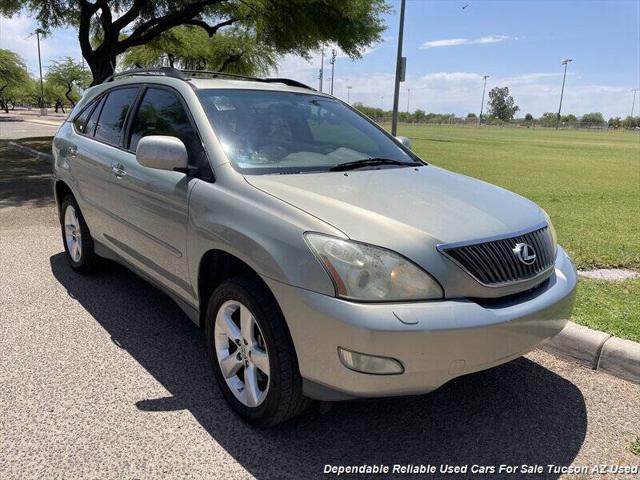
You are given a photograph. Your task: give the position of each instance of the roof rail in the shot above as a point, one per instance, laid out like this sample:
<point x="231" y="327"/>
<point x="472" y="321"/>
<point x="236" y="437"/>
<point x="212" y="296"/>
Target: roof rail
<point x="168" y="71"/>
<point x="187" y="74"/>
<point x="214" y="74"/>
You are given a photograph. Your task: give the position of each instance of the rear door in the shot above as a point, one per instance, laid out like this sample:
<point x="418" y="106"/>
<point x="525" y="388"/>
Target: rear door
<point x="93" y="151"/>
<point x="152" y="205"/>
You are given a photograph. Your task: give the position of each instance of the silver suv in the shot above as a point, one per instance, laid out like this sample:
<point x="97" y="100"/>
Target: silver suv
<point x="322" y="258"/>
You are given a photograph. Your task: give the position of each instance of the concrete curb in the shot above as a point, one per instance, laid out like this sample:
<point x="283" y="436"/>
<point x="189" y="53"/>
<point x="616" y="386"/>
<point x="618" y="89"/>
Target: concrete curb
<point x="31" y="151"/>
<point x="51" y="123"/>
<point x="598" y="350"/>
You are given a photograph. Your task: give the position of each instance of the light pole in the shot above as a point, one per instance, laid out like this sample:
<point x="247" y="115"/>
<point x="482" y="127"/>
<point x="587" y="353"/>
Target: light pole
<point x="382" y="102"/>
<point x="633" y="103"/>
<point x="43" y="111"/>
<point x="349" y="87"/>
<point x="482" y="102"/>
<point x="333" y="66"/>
<point x="321" y="75"/>
<point x="408" y="98"/>
<point x="399" y="73"/>
<point x="565" y="62"/>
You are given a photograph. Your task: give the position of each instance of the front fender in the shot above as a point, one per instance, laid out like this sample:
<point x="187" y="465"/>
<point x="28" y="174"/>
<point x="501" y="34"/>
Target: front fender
<point x="262" y="231"/>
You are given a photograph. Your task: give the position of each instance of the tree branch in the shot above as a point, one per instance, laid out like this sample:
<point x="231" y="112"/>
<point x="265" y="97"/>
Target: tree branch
<point x="157" y="25"/>
<point x="106" y="20"/>
<point x="129" y="16"/>
<point x="211" y="29"/>
<point x="84" y="30"/>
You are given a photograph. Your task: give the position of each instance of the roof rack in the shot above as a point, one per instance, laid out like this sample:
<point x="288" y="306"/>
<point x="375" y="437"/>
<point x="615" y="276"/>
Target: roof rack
<point x="167" y="71"/>
<point x="188" y="74"/>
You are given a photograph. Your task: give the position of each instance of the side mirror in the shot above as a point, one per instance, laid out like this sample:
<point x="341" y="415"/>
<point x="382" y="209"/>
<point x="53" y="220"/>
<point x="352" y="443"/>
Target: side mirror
<point x="162" y="152"/>
<point x="404" y="141"/>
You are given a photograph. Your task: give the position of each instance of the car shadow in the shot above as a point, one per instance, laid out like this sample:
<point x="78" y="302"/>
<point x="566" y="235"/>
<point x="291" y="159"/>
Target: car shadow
<point x="24" y="180"/>
<point x="518" y="413"/>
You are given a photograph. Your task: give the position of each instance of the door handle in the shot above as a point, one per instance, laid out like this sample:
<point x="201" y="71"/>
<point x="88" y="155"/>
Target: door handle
<point x="118" y="171"/>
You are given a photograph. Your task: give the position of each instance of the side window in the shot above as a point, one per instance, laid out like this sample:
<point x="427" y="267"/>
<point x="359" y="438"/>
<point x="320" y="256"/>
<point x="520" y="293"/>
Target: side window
<point x="90" y="127"/>
<point x="80" y="121"/>
<point x="162" y="113"/>
<point x="114" y="113"/>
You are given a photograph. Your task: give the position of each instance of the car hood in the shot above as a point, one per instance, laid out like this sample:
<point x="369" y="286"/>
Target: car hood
<point x="387" y="202"/>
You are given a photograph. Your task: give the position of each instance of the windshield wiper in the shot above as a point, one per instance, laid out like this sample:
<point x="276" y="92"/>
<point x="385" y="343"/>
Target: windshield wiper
<point x="370" y="162"/>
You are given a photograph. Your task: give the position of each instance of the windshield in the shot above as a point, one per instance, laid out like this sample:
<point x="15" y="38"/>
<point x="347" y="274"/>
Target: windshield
<point x="286" y="132"/>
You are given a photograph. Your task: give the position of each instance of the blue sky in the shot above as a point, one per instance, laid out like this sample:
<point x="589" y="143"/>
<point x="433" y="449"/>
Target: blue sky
<point x="519" y="43"/>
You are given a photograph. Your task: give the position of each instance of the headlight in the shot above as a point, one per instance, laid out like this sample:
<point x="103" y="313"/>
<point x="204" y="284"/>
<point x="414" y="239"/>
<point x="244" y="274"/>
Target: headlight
<point x="552" y="231"/>
<point x="368" y="273"/>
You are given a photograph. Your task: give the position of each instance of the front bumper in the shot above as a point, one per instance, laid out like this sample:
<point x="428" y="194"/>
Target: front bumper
<point x="435" y="341"/>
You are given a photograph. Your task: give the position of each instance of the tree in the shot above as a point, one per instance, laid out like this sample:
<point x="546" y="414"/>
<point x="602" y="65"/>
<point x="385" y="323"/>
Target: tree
<point x="548" y="119"/>
<point x="593" y="118"/>
<point x="419" y="116"/>
<point x="189" y="47"/>
<point x="615" y="122"/>
<point x="13" y="74"/>
<point x="631" y="122"/>
<point x="471" y="116"/>
<point x="55" y="92"/>
<point x="570" y="118"/>
<point x="68" y="74"/>
<point x="287" y="26"/>
<point x="501" y="104"/>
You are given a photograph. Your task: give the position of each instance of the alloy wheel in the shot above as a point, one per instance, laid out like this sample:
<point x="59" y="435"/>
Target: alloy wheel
<point x="72" y="234"/>
<point x="242" y="353"/>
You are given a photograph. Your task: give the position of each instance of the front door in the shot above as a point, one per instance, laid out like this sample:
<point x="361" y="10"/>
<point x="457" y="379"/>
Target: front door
<point x="151" y="205"/>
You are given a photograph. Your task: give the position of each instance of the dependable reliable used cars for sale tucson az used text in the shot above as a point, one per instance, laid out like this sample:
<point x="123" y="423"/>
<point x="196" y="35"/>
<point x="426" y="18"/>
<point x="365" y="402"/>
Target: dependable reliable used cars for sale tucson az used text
<point x="321" y="257"/>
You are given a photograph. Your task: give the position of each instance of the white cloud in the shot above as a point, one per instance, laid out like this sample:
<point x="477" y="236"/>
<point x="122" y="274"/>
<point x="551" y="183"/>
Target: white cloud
<point x="451" y="42"/>
<point x="307" y="71"/>
<point x="461" y="92"/>
<point x="16" y="34"/>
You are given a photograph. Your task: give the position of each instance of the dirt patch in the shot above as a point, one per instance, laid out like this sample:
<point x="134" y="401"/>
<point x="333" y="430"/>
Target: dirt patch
<point x="609" y="274"/>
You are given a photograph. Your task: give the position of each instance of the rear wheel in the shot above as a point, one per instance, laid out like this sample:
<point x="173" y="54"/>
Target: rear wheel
<point x="78" y="244"/>
<point x="252" y="354"/>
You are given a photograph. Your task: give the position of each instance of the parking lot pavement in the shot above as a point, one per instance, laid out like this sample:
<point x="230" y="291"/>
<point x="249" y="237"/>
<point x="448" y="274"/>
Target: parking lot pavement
<point x="103" y="377"/>
<point x="24" y="129"/>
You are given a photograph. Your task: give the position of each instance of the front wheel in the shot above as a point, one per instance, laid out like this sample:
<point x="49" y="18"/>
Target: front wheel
<point x="252" y="353"/>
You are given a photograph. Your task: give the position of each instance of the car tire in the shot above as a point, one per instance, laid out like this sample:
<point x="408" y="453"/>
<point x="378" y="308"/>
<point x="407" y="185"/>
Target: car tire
<point x="76" y="238"/>
<point x="263" y="400"/>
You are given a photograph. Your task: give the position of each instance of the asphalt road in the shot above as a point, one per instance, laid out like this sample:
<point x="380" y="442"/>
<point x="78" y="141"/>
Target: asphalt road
<point x="103" y="377"/>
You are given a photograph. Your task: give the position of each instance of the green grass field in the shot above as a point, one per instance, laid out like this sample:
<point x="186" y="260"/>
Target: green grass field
<point x="588" y="182"/>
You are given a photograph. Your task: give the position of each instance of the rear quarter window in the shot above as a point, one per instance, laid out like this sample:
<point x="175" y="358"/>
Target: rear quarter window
<point x="80" y="122"/>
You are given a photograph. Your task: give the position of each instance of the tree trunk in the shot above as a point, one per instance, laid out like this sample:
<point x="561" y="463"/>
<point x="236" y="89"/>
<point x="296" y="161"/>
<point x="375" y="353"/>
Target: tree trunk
<point x="101" y="68"/>
<point x="69" y="88"/>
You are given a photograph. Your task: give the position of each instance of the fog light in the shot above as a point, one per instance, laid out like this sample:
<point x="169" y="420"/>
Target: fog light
<point x="361" y="362"/>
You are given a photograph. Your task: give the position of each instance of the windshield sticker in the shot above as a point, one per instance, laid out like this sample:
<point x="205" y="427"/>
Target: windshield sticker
<point x="223" y="103"/>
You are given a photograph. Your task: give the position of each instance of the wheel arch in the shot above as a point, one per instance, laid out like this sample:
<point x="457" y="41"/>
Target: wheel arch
<point x="61" y="190"/>
<point x="217" y="266"/>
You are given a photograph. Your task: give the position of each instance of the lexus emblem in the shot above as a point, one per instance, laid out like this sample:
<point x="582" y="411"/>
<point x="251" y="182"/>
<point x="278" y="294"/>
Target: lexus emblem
<point x="525" y="253"/>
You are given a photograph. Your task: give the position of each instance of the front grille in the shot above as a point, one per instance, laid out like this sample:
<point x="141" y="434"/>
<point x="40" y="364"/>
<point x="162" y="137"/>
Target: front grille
<point x="494" y="262"/>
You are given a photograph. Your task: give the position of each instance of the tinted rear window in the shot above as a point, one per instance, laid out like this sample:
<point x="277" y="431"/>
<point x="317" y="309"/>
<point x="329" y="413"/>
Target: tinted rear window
<point x="113" y="115"/>
<point x="90" y="127"/>
<point x="81" y="120"/>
